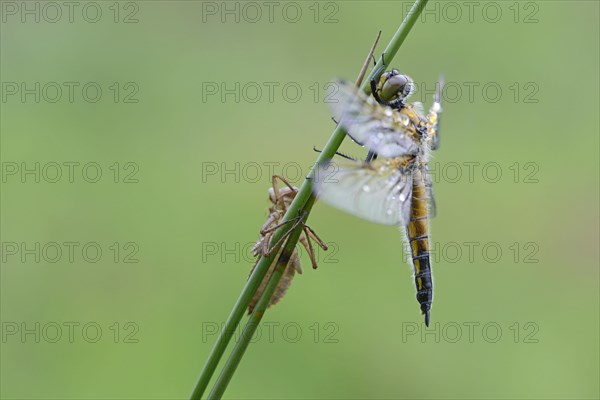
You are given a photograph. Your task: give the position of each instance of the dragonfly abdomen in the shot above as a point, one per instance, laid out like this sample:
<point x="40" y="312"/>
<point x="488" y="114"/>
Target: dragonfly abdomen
<point x="418" y="239"/>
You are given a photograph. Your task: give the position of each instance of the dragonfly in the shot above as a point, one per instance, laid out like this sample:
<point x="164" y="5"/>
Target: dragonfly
<point x="391" y="186"/>
<point x="281" y="199"/>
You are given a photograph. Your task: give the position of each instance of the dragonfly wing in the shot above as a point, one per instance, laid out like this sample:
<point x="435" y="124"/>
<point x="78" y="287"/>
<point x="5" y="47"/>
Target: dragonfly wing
<point x="430" y="195"/>
<point x="370" y="124"/>
<point x="432" y="205"/>
<point x="379" y="191"/>
<point x="418" y="108"/>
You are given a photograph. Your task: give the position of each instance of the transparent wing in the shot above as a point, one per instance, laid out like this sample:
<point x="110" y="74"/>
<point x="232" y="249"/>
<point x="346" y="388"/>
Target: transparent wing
<point x="379" y="191"/>
<point x="432" y="205"/>
<point x="371" y="124"/>
<point x="419" y="108"/>
<point x="430" y="194"/>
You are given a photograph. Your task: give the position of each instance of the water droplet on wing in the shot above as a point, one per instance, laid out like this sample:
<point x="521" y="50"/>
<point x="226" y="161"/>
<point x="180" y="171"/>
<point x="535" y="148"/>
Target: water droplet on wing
<point x="404" y="119"/>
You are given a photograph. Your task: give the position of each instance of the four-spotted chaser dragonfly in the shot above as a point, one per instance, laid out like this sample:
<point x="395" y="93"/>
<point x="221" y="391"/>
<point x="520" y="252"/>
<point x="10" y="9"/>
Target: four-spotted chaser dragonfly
<point x="281" y="198"/>
<point x="391" y="186"/>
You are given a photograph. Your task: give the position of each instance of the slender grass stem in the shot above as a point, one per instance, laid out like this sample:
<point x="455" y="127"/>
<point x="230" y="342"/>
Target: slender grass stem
<point x="304" y="197"/>
<point x="240" y="347"/>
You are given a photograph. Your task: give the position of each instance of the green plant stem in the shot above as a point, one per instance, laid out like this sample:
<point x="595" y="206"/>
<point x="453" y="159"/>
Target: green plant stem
<point x="300" y="200"/>
<point x="234" y="318"/>
<point x="240" y="347"/>
<point x="398" y="38"/>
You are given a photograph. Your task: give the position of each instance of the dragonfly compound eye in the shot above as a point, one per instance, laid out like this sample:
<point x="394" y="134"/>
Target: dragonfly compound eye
<point x="395" y="86"/>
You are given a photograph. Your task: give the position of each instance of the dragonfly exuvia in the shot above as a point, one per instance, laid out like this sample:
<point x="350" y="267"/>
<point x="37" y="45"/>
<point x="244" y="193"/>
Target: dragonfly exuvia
<point x="281" y="198"/>
<point x="391" y="186"/>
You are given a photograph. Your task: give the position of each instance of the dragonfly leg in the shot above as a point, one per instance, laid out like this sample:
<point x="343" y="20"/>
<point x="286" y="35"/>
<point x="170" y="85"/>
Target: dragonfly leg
<point x="374" y="91"/>
<point x="309" y="248"/>
<point x="285" y="181"/>
<point x="306" y="242"/>
<point x="275" y="227"/>
<point x="312" y="234"/>
<point x="375" y="78"/>
<point x="297" y="221"/>
<point x="346" y="156"/>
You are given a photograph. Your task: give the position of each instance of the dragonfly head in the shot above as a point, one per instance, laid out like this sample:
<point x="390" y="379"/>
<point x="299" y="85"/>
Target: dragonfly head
<point x="394" y="85"/>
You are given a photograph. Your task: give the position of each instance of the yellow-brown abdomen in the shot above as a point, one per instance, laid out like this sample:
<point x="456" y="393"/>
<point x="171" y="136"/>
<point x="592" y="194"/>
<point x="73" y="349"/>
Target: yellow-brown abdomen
<point x="418" y="239"/>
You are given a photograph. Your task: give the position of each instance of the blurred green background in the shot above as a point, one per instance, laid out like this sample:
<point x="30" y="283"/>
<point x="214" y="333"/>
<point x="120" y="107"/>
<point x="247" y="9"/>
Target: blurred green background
<point x="188" y="194"/>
